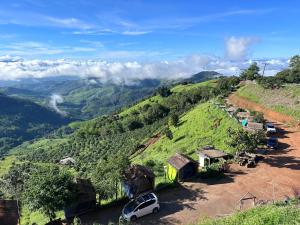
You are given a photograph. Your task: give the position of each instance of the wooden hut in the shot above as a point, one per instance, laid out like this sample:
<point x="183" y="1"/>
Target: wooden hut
<point x="85" y="199"/>
<point x="181" y="167"/>
<point x="9" y="213"/>
<point x="138" y="179"/>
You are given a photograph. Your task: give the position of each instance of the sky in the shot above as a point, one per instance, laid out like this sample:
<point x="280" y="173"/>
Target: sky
<point x="140" y="38"/>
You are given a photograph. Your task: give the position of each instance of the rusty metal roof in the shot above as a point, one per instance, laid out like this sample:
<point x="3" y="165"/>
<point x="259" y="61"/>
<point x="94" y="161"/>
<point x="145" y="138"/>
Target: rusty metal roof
<point x="178" y="161"/>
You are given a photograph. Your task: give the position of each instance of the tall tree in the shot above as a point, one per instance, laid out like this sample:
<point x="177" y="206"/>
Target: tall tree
<point x="108" y="174"/>
<point x="49" y="189"/>
<point x="251" y="73"/>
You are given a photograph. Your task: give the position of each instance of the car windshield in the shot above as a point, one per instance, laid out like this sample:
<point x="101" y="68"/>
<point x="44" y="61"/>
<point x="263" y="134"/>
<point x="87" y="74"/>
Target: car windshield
<point x="270" y="126"/>
<point x="130" y="207"/>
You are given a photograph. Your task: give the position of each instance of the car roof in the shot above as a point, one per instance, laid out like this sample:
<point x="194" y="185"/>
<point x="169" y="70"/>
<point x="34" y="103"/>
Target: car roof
<point x="145" y="198"/>
<point x="273" y="138"/>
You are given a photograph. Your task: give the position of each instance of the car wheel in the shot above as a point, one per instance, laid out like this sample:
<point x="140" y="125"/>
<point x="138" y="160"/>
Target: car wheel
<point x="133" y="218"/>
<point x="155" y="210"/>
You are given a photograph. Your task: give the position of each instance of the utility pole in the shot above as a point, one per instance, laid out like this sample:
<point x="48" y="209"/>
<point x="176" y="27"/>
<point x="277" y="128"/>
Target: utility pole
<point x="265" y="64"/>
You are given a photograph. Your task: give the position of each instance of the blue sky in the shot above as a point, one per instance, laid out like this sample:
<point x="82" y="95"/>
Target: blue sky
<point x="147" y="31"/>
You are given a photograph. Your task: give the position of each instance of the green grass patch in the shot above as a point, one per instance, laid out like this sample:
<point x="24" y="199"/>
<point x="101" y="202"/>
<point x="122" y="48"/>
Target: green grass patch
<point x="6" y="163"/>
<point x="264" y="215"/>
<point x="285" y="100"/>
<point x="28" y="217"/>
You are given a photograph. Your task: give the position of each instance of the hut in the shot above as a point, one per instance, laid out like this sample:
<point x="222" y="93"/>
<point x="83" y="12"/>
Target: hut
<point x="67" y="161"/>
<point x="181" y="167"/>
<point x="9" y="213"/>
<point x="209" y="155"/>
<point x="138" y="179"/>
<point x="85" y="199"/>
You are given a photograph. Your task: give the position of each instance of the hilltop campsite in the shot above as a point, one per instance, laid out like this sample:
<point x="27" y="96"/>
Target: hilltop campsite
<point x="141" y="112"/>
<point x="209" y="151"/>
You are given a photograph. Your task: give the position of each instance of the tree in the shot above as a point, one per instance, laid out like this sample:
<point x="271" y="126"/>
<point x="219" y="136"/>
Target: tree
<point x="49" y="189"/>
<point x="270" y="82"/>
<point x="164" y="91"/>
<point x="173" y="120"/>
<point x="242" y="140"/>
<point x="251" y="73"/>
<point x="108" y="174"/>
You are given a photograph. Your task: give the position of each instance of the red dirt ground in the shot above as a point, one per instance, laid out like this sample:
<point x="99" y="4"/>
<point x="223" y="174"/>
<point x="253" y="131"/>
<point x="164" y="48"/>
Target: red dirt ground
<point x="276" y="176"/>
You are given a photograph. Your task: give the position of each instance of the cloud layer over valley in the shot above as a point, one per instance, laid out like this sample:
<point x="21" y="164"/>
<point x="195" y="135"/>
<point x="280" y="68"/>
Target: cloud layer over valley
<point x="14" y="68"/>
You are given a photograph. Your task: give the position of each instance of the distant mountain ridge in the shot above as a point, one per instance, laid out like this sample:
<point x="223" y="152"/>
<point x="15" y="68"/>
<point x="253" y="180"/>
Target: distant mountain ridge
<point x="23" y="120"/>
<point x="89" y="97"/>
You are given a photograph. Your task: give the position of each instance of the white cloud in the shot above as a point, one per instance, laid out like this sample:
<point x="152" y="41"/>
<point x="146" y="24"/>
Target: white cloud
<point x="15" y="68"/>
<point x="56" y="99"/>
<point x="135" y="33"/>
<point x="68" y="23"/>
<point x="237" y="48"/>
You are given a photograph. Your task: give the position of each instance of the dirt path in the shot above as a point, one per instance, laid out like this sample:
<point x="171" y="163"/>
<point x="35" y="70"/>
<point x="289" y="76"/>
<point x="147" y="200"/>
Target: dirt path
<point x="246" y="104"/>
<point x="276" y="176"/>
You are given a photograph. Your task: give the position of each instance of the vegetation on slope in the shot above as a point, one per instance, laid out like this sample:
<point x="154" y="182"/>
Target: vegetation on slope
<point x="88" y="98"/>
<point x="106" y="143"/>
<point x="24" y="120"/>
<point x="206" y="124"/>
<point x="264" y="215"/>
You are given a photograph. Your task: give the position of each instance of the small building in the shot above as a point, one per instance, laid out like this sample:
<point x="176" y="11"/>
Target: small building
<point x="138" y="179"/>
<point x="181" y="167"/>
<point x="9" y="213"/>
<point x="209" y="155"/>
<point x="67" y="161"/>
<point x="85" y="198"/>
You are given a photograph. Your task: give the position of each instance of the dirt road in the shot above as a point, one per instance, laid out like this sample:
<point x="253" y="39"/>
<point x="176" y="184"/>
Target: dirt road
<point x="276" y="176"/>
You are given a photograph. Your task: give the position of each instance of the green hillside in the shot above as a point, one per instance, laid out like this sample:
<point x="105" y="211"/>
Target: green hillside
<point x="104" y="136"/>
<point x="23" y="120"/>
<point x="285" y="100"/>
<point x="264" y="215"/>
<point x="90" y="97"/>
<point x="206" y="124"/>
<point x="107" y="141"/>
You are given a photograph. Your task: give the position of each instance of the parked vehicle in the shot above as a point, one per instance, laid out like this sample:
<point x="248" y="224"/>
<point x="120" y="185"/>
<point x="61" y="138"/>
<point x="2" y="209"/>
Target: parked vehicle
<point x="141" y="206"/>
<point x="272" y="143"/>
<point x="270" y="128"/>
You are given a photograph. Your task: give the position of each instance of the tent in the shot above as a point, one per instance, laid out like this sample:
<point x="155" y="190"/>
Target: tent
<point x="244" y="122"/>
<point x="181" y="167"/>
<point x="138" y="179"/>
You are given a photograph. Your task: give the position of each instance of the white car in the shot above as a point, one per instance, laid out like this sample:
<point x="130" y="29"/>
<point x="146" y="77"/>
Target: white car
<point x="270" y="128"/>
<point x="141" y="206"/>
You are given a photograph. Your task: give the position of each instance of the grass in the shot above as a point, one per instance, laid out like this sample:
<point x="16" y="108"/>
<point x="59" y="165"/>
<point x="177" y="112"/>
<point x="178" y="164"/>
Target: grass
<point x="205" y="124"/>
<point x="28" y="217"/>
<point x="285" y="100"/>
<point x="6" y="163"/>
<point x="187" y="87"/>
<point x="264" y="215"/>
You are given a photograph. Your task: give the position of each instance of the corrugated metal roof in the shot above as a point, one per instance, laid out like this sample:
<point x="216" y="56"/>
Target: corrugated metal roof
<point x="213" y="153"/>
<point x="178" y="161"/>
